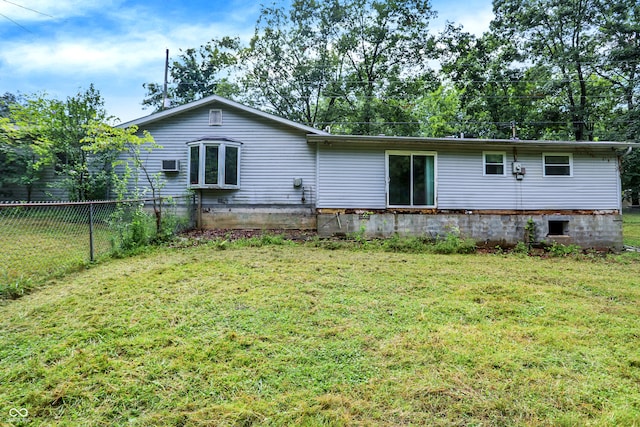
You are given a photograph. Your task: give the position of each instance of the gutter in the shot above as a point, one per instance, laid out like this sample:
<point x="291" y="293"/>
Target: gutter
<point x="503" y="143"/>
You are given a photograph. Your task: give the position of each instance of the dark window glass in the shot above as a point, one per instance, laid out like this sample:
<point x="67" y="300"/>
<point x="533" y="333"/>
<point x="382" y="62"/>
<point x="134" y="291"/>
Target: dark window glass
<point x="494" y="164"/>
<point x="399" y="180"/>
<point x="194" y="157"/>
<point x="211" y="164"/>
<point x="423" y="185"/>
<point x="557" y="166"/>
<point x="411" y="180"/>
<point x="231" y="166"/>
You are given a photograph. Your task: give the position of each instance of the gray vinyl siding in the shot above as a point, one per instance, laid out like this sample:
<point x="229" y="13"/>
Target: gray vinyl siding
<point x="354" y="177"/>
<point x="351" y="177"/>
<point x="461" y="184"/>
<point x="272" y="155"/>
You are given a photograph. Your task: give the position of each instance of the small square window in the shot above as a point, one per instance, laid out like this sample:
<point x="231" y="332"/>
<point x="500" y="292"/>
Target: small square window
<point x="557" y="164"/>
<point x="494" y="163"/>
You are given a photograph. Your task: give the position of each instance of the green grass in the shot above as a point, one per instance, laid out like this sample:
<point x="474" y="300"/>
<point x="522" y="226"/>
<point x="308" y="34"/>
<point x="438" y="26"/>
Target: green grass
<point x="631" y="227"/>
<point x="295" y="335"/>
<point x="36" y="249"/>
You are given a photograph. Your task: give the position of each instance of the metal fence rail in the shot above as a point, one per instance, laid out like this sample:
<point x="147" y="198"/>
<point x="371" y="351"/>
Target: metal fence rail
<point x="41" y="240"/>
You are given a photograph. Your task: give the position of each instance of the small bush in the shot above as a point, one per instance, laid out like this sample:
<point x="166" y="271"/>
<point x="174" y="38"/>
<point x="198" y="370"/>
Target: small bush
<point x="521" y="248"/>
<point x="454" y="244"/>
<point x="558" y="249"/>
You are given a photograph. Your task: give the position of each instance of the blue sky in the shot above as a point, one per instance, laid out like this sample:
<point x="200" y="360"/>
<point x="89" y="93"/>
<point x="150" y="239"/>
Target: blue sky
<point x="62" y="46"/>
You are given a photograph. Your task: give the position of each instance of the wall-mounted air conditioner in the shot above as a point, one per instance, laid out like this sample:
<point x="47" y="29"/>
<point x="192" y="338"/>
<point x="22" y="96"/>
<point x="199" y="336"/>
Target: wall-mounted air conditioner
<point x="170" y="166"/>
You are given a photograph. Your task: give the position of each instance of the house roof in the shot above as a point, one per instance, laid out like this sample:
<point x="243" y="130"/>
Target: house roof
<point x="493" y="143"/>
<point x="220" y="100"/>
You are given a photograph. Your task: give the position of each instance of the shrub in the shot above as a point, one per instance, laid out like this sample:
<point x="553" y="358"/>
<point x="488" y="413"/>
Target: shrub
<point x="521" y="248"/>
<point x="558" y="249"/>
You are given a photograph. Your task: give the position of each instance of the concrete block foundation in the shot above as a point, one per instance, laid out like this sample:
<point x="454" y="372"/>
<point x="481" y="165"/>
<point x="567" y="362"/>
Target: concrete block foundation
<point x="267" y="218"/>
<point x="588" y="230"/>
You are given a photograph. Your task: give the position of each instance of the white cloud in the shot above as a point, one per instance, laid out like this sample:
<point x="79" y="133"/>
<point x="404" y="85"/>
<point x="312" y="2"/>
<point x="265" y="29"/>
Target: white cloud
<point x="23" y="11"/>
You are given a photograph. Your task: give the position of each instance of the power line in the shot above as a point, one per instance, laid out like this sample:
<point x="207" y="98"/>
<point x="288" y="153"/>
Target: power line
<point x="27" y="8"/>
<point x="16" y="23"/>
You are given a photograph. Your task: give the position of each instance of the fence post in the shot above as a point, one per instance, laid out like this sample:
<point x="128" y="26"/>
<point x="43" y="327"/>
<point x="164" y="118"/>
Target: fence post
<point x="91" y="255"/>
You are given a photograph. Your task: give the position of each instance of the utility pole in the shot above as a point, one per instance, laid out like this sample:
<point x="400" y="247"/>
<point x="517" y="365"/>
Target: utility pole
<point x="165" y="99"/>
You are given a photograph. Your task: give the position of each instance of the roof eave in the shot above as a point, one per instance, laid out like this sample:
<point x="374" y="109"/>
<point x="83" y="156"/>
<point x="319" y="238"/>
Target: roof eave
<point x="397" y="140"/>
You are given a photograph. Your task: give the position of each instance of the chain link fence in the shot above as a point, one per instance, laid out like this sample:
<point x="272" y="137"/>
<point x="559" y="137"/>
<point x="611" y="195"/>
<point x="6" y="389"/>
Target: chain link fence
<point x="44" y="240"/>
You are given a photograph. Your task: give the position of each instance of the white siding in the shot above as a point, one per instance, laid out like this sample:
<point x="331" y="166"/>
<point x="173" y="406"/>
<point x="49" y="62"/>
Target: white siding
<point x="354" y="177"/>
<point x="272" y="155"/>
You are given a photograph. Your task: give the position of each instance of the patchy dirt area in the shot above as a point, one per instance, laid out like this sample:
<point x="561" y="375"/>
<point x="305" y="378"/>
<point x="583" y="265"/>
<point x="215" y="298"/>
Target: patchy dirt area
<point x="295" y="235"/>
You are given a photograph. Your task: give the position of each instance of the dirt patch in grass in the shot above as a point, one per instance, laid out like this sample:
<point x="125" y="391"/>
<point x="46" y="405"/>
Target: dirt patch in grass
<point x="230" y="234"/>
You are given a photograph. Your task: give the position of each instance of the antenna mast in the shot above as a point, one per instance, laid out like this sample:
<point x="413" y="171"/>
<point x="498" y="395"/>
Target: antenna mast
<point x="165" y="99"/>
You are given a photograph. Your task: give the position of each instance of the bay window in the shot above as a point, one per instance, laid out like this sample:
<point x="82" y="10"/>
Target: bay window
<point x="214" y="163"/>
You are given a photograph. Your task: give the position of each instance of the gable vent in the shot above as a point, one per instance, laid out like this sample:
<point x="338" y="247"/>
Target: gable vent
<point x="215" y="117"/>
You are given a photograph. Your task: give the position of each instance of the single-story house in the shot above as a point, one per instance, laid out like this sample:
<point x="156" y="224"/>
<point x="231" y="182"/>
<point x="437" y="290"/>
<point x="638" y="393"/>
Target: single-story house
<point x="251" y="169"/>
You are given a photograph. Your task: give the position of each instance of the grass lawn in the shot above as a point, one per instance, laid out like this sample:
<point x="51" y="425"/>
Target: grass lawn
<point x="39" y="248"/>
<point x="297" y="335"/>
<point x="631" y="227"/>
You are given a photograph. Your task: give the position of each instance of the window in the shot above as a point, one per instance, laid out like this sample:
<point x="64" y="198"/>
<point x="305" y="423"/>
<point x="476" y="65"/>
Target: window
<point x="214" y="164"/>
<point x="558" y="228"/>
<point x="494" y="163"/>
<point x="411" y="179"/>
<point x="557" y="164"/>
<point x="215" y="117"/>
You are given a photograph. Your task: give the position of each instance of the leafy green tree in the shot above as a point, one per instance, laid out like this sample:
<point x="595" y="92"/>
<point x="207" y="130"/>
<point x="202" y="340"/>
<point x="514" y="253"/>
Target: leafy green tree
<point x="440" y="112"/>
<point x="130" y="145"/>
<point x="198" y="73"/>
<point x="559" y="36"/>
<point x="6" y="101"/>
<point x="384" y="48"/>
<point x="494" y="97"/>
<point x="25" y="145"/>
<point x="355" y="65"/>
<point x="291" y="67"/>
<point x="84" y="177"/>
<point x="619" y="65"/>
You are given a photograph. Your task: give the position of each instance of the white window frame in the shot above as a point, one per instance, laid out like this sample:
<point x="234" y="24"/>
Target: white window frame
<point x="222" y="151"/>
<point x="544" y="165"/>
<point x="435" y="177"/>
<point x="484" y="163"/>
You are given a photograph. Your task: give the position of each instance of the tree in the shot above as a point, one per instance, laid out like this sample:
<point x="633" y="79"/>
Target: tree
<point x="104" y="139"/>
<point x="198" y="73"/>
<point x="84" y="177"/>
<point x="384" y="48"/>
<point x="560" y="37"/>
<point x="291" y="67"/>
<point x="619" y="64"/>
<point x="354" y="65"/>
<point x="25" y="146"/>
<point x="6" y="101"/>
